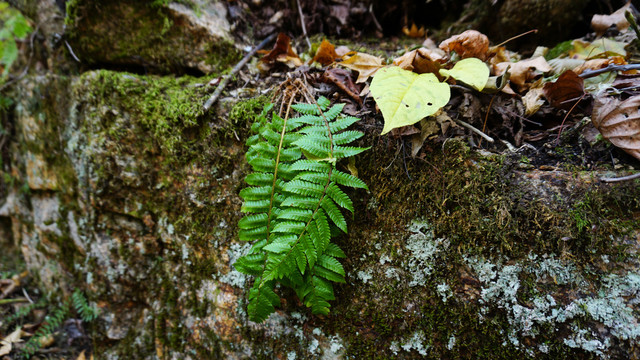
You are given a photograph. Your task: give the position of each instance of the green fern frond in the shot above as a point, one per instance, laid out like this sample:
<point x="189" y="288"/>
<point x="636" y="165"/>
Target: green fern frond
<point x="292" y="199"/>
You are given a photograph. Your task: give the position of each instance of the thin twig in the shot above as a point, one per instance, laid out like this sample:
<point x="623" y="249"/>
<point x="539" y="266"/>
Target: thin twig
<point x="566" y="116"/>
<point x="237" y="68"/>
<point x="404" y="160"/>
<point x="592" y="73"/>
<point x="373" y="16"/>
<point x="620" y="179"/>
<point x="304" y="28"/>
<point x="470" y="127"/>
<point x="13" y="301"/>
<point x="71" y="51"/>
<point x="26" y="295"/>
<point x="515" y="37"/>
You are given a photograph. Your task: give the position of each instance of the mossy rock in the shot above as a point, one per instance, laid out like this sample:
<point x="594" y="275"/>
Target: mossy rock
<point x="152" y="36"/>
<point x="454" y="254"/>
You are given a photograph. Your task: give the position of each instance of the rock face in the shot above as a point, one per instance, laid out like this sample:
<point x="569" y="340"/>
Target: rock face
<point x="122" y="187"/>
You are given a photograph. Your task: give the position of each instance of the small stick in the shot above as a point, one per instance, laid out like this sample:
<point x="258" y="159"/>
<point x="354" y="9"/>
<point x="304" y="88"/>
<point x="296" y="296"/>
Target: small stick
<point x="237" y="68"/>
<point x="620" y="179"/>
<point x="517" y="36"/>
<point x="592" y="73"/>
<point x="470" y="127"/>
<point x="566" y="116"/>
<point x="373" y="16"/>
<point x="13" y="301"/>
<point x="304" y="28"/>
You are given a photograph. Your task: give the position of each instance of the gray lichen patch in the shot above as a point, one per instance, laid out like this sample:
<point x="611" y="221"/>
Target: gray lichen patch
<point x="592" y="315"/>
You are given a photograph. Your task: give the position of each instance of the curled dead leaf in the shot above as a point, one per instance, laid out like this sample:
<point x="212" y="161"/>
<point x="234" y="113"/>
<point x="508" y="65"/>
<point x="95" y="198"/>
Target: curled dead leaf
<point x="342" y="79"/>
<point x="326" y="53"/>
<point x="414" y="31"/>
<point x="366" y="65"/>
<point x="565" y="91"/>
<point x="532" y="101"/>
<point x="600" y="23"/>
<point x="421" y="61"/>
<point x="619" y="122"/>
<point x="470" y="43"/>
<point x="14" y="337"/>
<point x="524" y="72"/>
<point x="282" y="52"/>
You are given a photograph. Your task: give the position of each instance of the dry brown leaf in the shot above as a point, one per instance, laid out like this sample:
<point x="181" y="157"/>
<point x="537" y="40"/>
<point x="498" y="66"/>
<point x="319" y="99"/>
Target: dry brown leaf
<point x="14" y="337"/>
<point x="592" y="65"/>
<point x="326" y="53"/>
<point x="282" y="52"/>
<point x="421" y="61"/>
<point x="414" y="31"/>
<point x="532" y="101"/>
<point x="565" y="91"/>
<point x="600" y="23"/>
<point x="619" y="122"/>
<point x="499" y="54"/>
<point x="366" y="65"/>
<point x="342" y="79"/>
<point x="470" y="43"/>
<point x="524" y="72"/>
<point x="46" y="341"/>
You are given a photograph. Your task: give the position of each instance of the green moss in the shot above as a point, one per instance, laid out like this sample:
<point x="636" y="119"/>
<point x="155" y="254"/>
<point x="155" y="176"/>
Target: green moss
<point x="165" y="106"/>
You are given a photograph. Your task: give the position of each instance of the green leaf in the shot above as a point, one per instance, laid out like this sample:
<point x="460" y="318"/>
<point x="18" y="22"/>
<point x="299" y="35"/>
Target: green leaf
<point x="405" y="97"/>
<point x="471" y="71"/>
<point x="9" y="54"/>
<point x="20" y="26"/>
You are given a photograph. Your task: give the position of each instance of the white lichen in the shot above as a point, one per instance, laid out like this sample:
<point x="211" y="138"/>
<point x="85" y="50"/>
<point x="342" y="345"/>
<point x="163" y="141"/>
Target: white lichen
<point x="423" y="247"/>
<point x="364" y="276"/>
<point x="416" y="342"/>
<point x="444" y="291"/>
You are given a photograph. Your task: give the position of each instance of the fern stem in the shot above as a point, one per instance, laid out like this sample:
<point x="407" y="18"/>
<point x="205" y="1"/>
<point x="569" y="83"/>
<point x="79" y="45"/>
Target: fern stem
<point x="273" y="189"/>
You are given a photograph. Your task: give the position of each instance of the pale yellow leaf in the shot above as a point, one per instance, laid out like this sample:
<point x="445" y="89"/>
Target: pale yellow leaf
<point x="471" y="71"/>
<point x="597" y="48"/>
<point x="405" y="97"/>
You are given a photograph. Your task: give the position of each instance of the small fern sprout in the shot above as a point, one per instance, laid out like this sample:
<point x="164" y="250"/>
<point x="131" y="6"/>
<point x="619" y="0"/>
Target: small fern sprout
<point x="87" y="312"/>
<point x="293" y="201"/>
